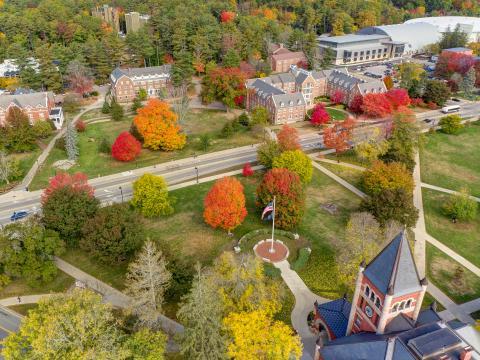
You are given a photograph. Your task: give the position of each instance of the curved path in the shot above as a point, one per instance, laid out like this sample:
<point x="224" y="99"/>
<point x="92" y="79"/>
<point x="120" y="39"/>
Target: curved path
<point x="304" y="300"/>
<point x="22" y="300"/>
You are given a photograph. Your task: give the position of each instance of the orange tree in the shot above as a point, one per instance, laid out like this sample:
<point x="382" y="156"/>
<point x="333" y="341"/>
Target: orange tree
<point x="387" y="176"/>
<point x="288" y="138"/>
<point x="225" y="204"/>
<point x="157" y="125"/>
<point x="289" y="195"/>
<point x="339" y="135"/>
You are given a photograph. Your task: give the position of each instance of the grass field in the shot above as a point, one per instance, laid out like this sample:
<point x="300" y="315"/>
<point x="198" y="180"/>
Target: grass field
<point x="19" y="287"/>
<point x="451" y="161"/>
<point x="460" y="284"/>
<point x="336" y="114"/>
<point x="463" y="238"/>
<point x="348" y="156"/>
<point x="94" y="164"/>
<point x="353" y="176"/>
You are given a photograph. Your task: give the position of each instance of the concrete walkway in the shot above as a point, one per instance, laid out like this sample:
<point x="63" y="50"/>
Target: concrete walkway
<point x="453" y="311"/>
<point x="304" y="300"/>
<point x="419" y="230"/>
<point x="26" y="299"/>
<point x="341" y="163"/>
<point x="448" y="191"/>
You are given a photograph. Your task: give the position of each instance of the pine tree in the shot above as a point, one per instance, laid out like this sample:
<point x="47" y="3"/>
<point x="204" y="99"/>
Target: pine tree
<point x="71" y="141"/>
<point x="201" y="314"/>
<point x="468" y="82"/>
<point x="147" y="280"/>
<point x="49" y="74"/>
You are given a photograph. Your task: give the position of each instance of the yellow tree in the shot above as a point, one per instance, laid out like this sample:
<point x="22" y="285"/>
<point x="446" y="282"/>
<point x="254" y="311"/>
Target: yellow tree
<point x="157" y="124"/>
<point x="255" y="335"/>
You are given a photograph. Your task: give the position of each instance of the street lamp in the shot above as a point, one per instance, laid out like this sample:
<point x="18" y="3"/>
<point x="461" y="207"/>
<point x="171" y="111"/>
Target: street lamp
<point x="121" y="192"/>
<point x="196" y="169"/>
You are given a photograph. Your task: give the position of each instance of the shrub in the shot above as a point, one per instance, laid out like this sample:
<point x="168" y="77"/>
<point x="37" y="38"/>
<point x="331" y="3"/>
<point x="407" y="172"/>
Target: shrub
<point x="105" y="108"/>
<point x="461" y="206"/>
<point x="296" y="161"/>
<point x="113" y="234"/>
<point x="247" y="170"/>
<point x="451" y="124"/>
<point x="205" y="141"/>
<point x="60" y="143"/>
<point x="150" y="196"/>
<point x="116" y="111"/>
<point x="244" y="120"/>
<point x="94" y="93"/>
<point x="81" y="126"/>
<point x="126" y="147"/>
<point x="267" y="152"/>
<point x="302" y="259"/>
<point x="142" y="95"/>
<point x="259" y="116"/>
<point x="271" y="271"/>
<point x="289" y="193"/>
<point x="137" y="104"/>
<point x="42" y="129"/>
<point x="104" y="146"/>
<point x="227" y="130"/>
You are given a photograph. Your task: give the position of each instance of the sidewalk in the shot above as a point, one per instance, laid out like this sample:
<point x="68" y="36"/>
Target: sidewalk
<point x="304" y="302"/>
<point x="448" y="191"/>
<point x="420" y="230"/>
<point x="453" y="311"/>
<point x="26" y="299"/>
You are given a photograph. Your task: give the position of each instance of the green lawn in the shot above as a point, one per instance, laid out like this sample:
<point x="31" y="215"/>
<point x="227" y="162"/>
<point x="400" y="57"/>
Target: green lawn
<point x="463" y="238"/>
<point x="452" y="161"/>
<point x="428" y="300"/>
<point x="19" y="287"/>
<point x="348" y="156"/>
<point x="336" y="114"/>
<point x="353" y="176"/>
<point x="95" y="164"/>
<point x="459" y="283"/>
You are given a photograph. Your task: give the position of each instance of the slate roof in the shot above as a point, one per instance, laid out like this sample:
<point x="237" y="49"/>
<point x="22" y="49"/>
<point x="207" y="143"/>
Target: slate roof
<point x="335" y="314"/>
<point x="37" y="99"/>
<point x="264" y="88"/>
<point x="399" y="323"/>
<point x="286" y="55"/>
<point x="138" y="72"/>
<point x="393" y="269"/>
<point x="343" y="79"/>
<point x="288" y="100"/>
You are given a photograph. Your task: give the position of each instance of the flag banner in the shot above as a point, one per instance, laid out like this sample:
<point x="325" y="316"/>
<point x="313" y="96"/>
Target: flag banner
<point x="268" y="209"/>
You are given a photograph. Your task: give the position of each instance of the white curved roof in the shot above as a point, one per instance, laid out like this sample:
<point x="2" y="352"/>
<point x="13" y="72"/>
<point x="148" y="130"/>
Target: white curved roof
<point x="444" y="22"/>
<point x="415" y="35"/>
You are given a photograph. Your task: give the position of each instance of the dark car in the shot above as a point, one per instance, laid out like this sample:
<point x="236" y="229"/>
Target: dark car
<point x="17" y="215"/>
<point x="428" y="121"/>
<point x="455" y="99"/>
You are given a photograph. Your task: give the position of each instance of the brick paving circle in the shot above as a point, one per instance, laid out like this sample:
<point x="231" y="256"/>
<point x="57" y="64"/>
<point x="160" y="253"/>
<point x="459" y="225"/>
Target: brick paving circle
<point x="262" y="250"/>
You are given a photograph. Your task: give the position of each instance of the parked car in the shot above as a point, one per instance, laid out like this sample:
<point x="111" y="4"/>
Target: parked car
<point x="17" y="215"/>
<point x="456" y="100"/>
<point x="428" y="121"/>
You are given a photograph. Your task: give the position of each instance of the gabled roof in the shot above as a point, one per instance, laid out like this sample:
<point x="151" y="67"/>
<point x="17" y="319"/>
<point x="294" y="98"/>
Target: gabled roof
<point x="335" y="314"/>
<point x="287" y="55"/>
<point x="37" y="99"/>
<point x="264" y="88"/>
<point x="138" y="72"/>
<point x="393" y="270"/>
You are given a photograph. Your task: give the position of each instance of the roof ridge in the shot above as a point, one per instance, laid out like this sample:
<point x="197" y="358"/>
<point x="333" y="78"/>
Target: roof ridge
<point x="393" y="275"/>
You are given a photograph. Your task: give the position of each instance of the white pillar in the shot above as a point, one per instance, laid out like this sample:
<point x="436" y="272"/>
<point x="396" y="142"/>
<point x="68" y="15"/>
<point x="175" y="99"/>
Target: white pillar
<point x="418" y="304"/>
<point x="356" y="295"/>
<point x="387" y="302"/>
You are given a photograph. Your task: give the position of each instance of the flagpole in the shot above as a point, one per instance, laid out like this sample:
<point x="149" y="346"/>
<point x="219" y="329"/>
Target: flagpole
<point x="272" y="250"/>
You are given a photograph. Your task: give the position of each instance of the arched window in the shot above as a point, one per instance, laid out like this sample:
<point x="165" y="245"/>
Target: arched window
<point x="377" y="302"/>
<point x="402" y="306"/>
<point x="395" y="308"/>
<point x="409" y="303"/>
<point x="367" y="291"/>
<point x="372" y="296"/>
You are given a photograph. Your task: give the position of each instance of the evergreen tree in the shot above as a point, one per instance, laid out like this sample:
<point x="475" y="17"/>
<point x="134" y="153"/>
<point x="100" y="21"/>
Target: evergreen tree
<point x="71" y="142"/>
<point x="468" y="82"/>
<point x="453" y="38"/>
<point x="201" y="314"/>
<point x="116" y="111"/>
<point x="49" y="73"/>
<point x="231" y="59"/>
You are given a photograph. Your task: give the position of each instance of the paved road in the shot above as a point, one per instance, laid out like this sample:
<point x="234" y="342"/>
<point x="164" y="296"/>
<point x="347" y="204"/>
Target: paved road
<point x="9" y="322"/>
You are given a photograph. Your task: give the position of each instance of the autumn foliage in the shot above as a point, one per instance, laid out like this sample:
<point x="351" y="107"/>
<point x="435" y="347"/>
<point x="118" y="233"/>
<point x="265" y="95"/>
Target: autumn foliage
<point x="227" y="16"/>
<point x="225" y="204"/>
<point x="288" y="138"/>
<point x="338" y="136"/>
<point x="450" y="62"/>
<point x="398" y="97"/>
<point x="356" y="104"/>
<point x="126" y="147"/>
<point x="247" y="170"/>
<point x="377" y="105"/>
<point x="223" y="84"/>
<point x="157" y="124"/>
<point x="388" y="81"/>
<point x="78" y="182"/>
<point x="320" y="116"/>
<point x="289" y="194"/>
<point x="337" y="97"/>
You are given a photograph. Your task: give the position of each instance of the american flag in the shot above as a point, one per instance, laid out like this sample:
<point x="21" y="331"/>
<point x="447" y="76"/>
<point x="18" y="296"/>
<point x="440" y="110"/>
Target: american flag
<point x="267" y="209"/>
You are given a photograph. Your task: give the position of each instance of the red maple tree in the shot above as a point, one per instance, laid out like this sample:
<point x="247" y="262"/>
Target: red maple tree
<point x="227" y="16"/>
<point x="126" y="147"/>
<point x="320" y="116"/>
<point x="376" y="105"/>
<point x="247" y="170"/>
<point x="356" y="104"/>
<point x="78" y="182"/>
<point x="337" y="97"/>
<point x="451" y="62"/>
<point x="81" y="126"/>
<point x="225" y="204"/>
<point x="288" y="138"/>
<point x="339" y="135"/>
<point x="398" y="97"/>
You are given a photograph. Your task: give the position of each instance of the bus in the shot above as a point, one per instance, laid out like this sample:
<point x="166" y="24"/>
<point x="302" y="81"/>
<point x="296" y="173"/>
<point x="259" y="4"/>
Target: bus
<point x="450" y="109"/>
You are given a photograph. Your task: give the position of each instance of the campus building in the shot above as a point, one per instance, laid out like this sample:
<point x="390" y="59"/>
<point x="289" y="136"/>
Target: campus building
<point x="38" y="106"/>
<point x="280" y="58"/>
<point x="127" y="83"/>
<point x="385" y="319"/>
<point x="288" y="96"/>
<point x="134" y="21"/>
<point x="109" y="15"/>
<point x="469" y="25"/>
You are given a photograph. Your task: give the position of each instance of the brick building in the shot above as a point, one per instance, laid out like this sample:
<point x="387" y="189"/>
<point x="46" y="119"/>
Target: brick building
<point x="280" y="58"/>
<point x="126" y="83"/>
<point x="385" y="319"/>
<point x="288" y="96"/>
<point x="38" y="106"/>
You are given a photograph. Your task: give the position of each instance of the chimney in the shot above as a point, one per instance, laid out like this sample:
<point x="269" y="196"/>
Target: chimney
<point x="466" y="353"/>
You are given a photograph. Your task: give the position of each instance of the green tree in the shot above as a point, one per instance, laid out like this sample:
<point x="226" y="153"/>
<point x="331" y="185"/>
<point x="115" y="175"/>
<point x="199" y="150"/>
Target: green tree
<point x="106" y="108"/>
<point x="116" y="111"/>
<point x="467" y="85"/>
<point x="461" y="206"/>
<point x="453" y="38"/>
<point x="436" y="91"/>
<point x="451" y="124"/>
<point x="408" y="73"/>
<point x="150" y="196"/>
<point x="267" y="152"/>
<point x="137" y="104"/>
<point x="231" y="59"/>
<point x="113" y="234"/>
<point x="66" y="211"/>
<point x="142" y="94"/>
<point x="205" y="141"/>
<point x="387" y="176"/>
<point x="9" y="168"/>
<point x="147" y="281"/>
<point x="201" y="314"/>
<point x="49" y="74"/>
<point x="17" y="134"/>
<point x="328" y="56"/>
<point x="27" y="251"/>
<point x="296" y="161"/>
<point x="146" y="344"/>
<point x="182" y="70"/>
<point x="259" y="116"/>
<point x="42" y="129"/>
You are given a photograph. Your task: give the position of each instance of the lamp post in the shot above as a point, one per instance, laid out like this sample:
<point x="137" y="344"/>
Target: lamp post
<point x="121" y="192"/>
<point x="196" y="169"/>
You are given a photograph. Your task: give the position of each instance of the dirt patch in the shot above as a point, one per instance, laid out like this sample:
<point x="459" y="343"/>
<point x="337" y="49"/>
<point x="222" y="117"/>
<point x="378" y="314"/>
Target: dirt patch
<point x="444" y="268"/>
